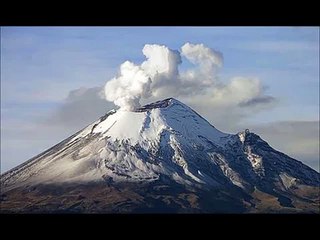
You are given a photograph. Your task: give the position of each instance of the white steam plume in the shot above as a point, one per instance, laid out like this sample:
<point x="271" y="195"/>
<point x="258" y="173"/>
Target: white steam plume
<point x="134" y="82"/>
<point x="159" y="76"/>
<point x="127" y="89"/>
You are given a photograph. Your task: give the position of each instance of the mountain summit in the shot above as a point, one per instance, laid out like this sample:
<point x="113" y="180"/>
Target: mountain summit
<point x="162" y="157"/>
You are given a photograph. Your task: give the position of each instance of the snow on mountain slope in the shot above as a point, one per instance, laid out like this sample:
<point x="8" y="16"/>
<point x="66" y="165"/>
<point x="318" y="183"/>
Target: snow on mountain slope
<point x="165" y="139"/>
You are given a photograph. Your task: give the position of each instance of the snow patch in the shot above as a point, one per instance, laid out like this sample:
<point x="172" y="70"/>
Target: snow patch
<point x="242" y="135"/>
<point x="256" y="161"/>
<point x="233" y="176"/>
<point x="287" y="180"/>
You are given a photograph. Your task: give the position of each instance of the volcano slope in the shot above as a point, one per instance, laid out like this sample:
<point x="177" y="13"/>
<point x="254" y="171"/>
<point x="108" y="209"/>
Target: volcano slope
<point x="160" y="158"/>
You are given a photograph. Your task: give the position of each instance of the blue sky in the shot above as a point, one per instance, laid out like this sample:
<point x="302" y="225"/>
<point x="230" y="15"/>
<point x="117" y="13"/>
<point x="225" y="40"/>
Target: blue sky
<point x="40" y="66"/>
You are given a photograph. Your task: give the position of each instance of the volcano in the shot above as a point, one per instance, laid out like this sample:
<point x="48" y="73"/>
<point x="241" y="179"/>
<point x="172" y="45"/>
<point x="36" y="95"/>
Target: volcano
<point x="160" y="158"/>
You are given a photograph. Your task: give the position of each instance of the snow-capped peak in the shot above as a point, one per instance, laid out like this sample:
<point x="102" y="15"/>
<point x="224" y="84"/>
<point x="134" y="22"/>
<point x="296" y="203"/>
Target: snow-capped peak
<point x="149" y="121"/>
<point x="159" y="104"/>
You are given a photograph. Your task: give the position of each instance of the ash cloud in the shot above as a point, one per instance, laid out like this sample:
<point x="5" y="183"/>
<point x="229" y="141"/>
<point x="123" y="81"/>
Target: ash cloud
<point x="257" y="100"/>
<point x="81" y="107"/>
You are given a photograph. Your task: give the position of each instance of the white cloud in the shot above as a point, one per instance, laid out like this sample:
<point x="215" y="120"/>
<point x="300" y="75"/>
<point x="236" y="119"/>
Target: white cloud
<point x="160" y="60"/>
<point x="207" y="58"/>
